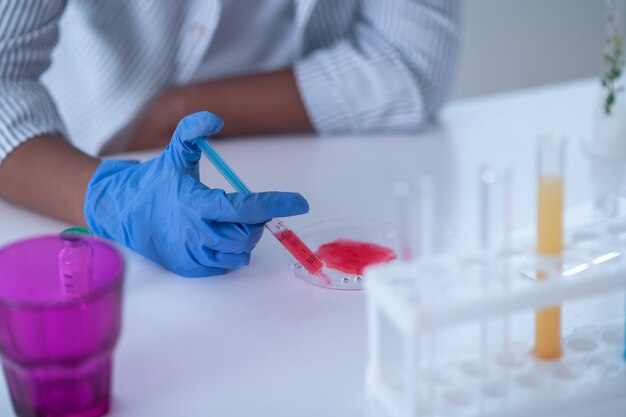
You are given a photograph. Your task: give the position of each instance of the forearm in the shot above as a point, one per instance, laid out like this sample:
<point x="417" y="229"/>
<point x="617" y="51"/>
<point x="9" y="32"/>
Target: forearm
<point x="48" y="175"/>
<point x="252" y="104"/>
<point x="249" y="105"/>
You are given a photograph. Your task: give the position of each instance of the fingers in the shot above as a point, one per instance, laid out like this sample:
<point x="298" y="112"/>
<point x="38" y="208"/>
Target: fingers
<point x="220" y="230"/>
<point x="202" y="262"/>
<point x="216" y="248"/>
<point x="225" y="260"/>
<point x="232" y="238"/>
<point x="187" y="260"/>
<point x="198" y="271"/>
<point x="181" y="150"/>
<point x="253" y="208"/>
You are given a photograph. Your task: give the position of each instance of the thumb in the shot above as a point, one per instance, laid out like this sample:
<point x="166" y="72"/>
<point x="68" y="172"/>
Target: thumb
<point x="182" y="150"/>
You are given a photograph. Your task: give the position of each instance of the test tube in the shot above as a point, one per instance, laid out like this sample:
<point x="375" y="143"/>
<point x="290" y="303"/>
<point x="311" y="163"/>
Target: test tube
<point x="414" y="202"/>
<point x="549" y="246"/>
<point x="495" y="239"/>
<point x="495" y="209"/>
<point x="75" y="262"/>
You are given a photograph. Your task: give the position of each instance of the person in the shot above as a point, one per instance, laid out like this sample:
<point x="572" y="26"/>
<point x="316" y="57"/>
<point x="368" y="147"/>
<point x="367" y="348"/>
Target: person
<point x="84" y="78"/>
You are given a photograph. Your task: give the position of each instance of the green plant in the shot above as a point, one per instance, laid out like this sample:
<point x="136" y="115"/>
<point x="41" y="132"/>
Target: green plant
<point x="615" y="64"/>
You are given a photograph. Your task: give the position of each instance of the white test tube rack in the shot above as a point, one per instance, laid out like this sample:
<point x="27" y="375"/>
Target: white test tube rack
<point x="435" y="308"/>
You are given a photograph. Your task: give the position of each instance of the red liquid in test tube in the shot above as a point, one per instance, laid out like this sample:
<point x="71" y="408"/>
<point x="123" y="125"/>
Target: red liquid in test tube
<point x="296" y="247"/>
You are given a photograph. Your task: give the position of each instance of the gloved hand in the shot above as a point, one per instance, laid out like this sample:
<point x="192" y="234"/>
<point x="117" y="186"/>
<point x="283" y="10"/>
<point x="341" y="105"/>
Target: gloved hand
<point x="160" y="209"/>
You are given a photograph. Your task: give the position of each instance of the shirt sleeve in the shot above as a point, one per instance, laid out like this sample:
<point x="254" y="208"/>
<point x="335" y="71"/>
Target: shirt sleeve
<point x="392" y="72"/>
<point x="28" y="33"/>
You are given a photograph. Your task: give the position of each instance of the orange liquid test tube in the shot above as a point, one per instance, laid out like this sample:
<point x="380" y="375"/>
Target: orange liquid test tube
<point x="549" y="241"/>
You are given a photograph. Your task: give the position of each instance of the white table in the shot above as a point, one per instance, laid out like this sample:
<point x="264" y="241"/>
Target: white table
<point x="258" y="342"/>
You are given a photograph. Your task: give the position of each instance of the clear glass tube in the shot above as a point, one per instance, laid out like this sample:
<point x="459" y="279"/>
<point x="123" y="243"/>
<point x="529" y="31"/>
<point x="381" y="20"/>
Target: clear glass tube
<point x="550" y="169"/>
<point x="495" y="209"/>
<point x="495" y="241"/>
<point x="414" y="202"/>
<point x="550" y="156"/>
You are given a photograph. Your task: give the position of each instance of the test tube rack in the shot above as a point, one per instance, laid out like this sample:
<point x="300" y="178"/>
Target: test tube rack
<point x="453" y="335"/>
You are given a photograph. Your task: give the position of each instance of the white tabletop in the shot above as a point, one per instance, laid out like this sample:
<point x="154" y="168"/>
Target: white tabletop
<point x="258" y="342"/>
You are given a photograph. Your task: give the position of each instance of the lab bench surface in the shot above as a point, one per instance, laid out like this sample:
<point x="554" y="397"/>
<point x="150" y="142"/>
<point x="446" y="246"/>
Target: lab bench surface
<point x="259" y="342"/>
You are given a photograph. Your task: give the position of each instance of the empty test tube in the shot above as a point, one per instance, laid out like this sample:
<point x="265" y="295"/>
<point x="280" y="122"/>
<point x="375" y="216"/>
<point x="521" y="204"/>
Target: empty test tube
<point x="495" y="238"/>
<point x="549" y="247"/>
<point x="414" y="200"/>
<point x="495" y="210"/>
<point x="415" y="204"/>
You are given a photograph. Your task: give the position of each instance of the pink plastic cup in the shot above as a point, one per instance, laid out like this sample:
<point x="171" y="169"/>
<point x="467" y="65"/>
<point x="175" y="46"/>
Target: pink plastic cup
<point x="57" y="348"/>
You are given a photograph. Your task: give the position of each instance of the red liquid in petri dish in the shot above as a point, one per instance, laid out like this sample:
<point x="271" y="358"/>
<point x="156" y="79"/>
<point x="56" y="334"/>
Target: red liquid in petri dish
<point x="352" y="256"/>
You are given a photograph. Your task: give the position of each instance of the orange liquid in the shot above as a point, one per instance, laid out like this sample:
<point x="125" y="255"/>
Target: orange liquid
<point x="549" y="243"/>
<point x="548" y="333"/>
<point x="550" y="217"/>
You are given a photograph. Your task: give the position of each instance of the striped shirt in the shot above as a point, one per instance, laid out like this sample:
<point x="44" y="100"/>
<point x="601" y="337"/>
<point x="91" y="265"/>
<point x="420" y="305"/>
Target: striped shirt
<point x="83" y="68"/>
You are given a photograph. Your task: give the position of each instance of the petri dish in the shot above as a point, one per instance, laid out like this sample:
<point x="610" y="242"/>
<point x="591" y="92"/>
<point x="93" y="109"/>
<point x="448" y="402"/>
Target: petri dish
<point x="317" y="234"/>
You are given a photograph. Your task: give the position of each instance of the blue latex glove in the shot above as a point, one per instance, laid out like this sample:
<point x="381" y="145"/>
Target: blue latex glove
<point x="160" y="209"/>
